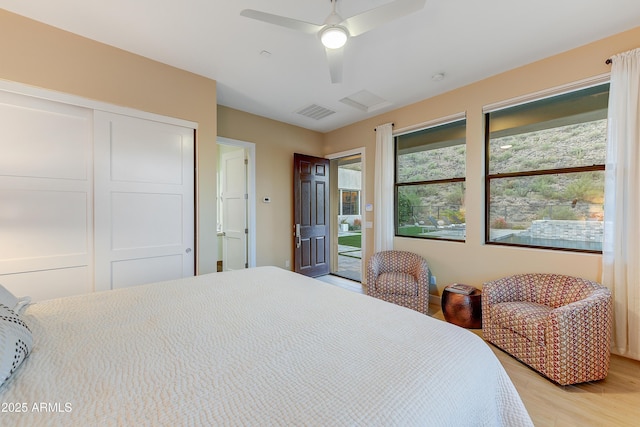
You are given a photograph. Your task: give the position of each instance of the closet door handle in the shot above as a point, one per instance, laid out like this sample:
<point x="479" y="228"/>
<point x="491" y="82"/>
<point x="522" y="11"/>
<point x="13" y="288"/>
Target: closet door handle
<point x="298" y="238"/>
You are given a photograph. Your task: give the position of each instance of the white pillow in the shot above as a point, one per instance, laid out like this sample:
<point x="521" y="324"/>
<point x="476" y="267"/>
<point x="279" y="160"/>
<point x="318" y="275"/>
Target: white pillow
<point x="9" y="300"/>
<point x="16" y="342"/>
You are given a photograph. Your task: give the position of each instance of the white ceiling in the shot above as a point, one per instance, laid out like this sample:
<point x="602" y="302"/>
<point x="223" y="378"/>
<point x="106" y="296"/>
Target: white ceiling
<point x="466" y="40"/>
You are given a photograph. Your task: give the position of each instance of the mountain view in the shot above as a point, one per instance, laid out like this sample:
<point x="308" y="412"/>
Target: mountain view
<point x="514" y="201"/>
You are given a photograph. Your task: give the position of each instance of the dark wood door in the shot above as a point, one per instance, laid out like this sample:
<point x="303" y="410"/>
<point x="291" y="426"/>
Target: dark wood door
<point x="311" y="206"/>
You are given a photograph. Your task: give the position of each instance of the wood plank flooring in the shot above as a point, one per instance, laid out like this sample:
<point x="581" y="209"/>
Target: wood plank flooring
<point x="612" y="402"/>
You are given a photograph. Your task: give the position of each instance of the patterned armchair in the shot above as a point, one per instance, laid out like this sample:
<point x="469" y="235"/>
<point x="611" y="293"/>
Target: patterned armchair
<point x="399" y="277"/>
<point x="559" y="325"/>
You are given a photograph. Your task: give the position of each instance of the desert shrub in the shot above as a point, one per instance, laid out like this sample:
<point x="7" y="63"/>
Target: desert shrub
<point x="588" y="187"/>
<point x="499" y="223"/>
<point x="454" y="216"/>
<point x="558" y="213"/>
<point x="455" y="196"/>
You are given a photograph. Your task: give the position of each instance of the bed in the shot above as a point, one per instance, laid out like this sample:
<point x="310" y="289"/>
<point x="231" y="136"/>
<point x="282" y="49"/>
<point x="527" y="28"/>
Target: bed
<point x="261" y="346"/>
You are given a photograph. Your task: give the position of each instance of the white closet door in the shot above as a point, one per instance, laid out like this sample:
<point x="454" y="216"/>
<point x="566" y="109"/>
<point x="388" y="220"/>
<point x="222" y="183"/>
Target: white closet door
<point x="46" y="217"/>
<point x="144" y="201"/>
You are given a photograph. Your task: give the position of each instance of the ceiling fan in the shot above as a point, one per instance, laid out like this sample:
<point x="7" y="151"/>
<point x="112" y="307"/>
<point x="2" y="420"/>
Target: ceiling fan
<point x="335" y="31"/>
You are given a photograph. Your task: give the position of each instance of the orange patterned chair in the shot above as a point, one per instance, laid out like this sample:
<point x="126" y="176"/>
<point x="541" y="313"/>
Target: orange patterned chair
<point x="399" y="277"/>
<point x="559" y="325"/>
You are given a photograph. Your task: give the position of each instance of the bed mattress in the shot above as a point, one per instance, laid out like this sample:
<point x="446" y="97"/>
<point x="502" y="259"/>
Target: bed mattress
<point x="262" y="346"/>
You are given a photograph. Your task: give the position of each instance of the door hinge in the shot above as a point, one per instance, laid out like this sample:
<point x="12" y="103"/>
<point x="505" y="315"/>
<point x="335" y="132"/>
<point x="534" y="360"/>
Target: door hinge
<point x="246" y="265"/>
<point x="246" y="196"/>
<point x="246" y="231"/>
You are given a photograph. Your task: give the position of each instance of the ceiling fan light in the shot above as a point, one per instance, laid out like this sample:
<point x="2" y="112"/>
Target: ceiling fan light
<point x="333" y="37"/>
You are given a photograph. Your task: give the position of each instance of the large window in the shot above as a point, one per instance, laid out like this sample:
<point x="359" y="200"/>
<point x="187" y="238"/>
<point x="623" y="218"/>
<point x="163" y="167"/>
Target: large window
<point x="430" y="182"/>
<point x="545" y="171"/>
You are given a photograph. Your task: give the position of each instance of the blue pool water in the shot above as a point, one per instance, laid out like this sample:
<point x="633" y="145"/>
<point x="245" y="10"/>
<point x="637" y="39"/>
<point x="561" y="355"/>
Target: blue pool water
<point x="518" y="239"/>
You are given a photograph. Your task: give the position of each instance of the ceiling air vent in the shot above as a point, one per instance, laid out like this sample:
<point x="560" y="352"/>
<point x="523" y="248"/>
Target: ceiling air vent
<point x="315" y="111"/>
<point x="365" y="101"/>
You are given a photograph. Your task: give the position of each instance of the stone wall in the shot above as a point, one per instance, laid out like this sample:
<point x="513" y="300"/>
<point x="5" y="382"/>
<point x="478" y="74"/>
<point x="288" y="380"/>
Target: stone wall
<point x="589" y="231"/>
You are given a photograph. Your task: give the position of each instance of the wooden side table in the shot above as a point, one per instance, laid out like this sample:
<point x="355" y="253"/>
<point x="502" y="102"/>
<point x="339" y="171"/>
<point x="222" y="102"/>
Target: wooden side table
<point x="463" y="310"/>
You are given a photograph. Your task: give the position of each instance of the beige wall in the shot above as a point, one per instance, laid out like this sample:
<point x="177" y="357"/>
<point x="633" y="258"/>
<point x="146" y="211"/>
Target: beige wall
<point x="42" y="56"/>
<point x="275" y="144"/>
<point x="473" y="262"/>
<point x="39" y="55"/>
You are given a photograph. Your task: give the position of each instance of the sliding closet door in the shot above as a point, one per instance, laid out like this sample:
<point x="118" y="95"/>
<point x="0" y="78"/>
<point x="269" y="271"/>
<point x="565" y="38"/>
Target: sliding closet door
<point x="144" y="201"/>
<point x="46" y="217"/>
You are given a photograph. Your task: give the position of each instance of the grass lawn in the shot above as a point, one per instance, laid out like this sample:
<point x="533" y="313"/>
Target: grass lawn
<point x="353" y="240"/>
<point x="409" y="230"/>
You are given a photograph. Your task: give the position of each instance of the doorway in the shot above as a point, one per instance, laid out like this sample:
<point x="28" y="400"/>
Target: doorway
<point x="235" y="205"/>
<point x="312" y="215"/>
<point x="347" y="195"/>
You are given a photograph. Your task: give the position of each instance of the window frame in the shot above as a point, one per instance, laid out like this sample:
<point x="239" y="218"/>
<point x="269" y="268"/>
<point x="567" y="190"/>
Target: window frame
<point x="396" y="185"/>
<point x="488" y="177"/>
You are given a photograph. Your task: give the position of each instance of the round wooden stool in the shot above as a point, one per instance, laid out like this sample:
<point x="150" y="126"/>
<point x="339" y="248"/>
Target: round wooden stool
<point x="463" y="310"/>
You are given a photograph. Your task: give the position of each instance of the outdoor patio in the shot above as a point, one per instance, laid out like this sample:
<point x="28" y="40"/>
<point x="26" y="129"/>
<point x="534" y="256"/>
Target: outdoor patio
<point x="349" y="256"/>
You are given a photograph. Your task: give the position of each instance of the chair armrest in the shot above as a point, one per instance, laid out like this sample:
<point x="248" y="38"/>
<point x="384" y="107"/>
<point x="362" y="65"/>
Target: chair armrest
<point x="592" y="310"/>
<point x="585" y="323"/>
<point x="422" y="275"/>
<point x="373" y="271"/>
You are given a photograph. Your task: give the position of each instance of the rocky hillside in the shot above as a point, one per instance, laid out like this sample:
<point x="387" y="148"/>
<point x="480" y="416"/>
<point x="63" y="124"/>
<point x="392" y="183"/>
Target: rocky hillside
<point x="514" y="201"/>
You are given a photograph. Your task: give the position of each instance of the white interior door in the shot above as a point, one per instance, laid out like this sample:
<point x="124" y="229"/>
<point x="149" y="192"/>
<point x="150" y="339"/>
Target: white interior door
<point x="46" y="200"/>
<point x="234" y="210"/>
<point x="144" y="201"/>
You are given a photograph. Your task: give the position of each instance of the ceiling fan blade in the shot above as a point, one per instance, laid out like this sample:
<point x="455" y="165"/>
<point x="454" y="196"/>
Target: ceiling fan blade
<point x="365" y="21"/>
<point x="335" y="59"/>
<point x="282" y="21"/>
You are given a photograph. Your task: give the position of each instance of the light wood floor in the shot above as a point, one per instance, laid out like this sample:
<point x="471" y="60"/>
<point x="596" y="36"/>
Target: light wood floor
<point x="612" y="402"/>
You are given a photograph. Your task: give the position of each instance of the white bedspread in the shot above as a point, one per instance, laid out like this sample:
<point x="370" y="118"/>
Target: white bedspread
<point x="256" y="347"/>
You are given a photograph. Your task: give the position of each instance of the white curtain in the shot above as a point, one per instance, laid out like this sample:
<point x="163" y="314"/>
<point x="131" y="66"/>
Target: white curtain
<point x="383" y="228"/>
<point x="621" y="246"/>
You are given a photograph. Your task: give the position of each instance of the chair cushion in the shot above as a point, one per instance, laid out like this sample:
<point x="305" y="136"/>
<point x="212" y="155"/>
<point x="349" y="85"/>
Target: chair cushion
<point x="397" y="283"/>
<point x="528" y="319"/>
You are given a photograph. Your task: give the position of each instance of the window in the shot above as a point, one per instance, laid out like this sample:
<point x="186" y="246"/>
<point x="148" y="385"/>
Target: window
<point x="430" y="182"/>
<point x="545" y="172"/>
<point x="349" y="202"/>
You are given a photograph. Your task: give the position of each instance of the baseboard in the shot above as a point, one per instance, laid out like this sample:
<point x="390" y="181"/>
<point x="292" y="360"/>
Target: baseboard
<point x="435" y="300"/>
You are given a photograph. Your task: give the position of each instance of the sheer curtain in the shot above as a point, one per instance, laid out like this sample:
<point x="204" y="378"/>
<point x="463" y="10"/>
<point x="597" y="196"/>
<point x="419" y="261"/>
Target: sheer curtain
<point x="383" y="228"/>
<point x="621" y="246"/>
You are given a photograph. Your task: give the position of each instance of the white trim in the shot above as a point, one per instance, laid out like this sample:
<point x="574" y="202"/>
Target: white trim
<point x="547" y="93"/>
<point x="363" y="239"/>
<point x="347" y="153"/>
<point x="251" y="152"/>
<point x="78" y="101"/>
<point x="431" y="123"/>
